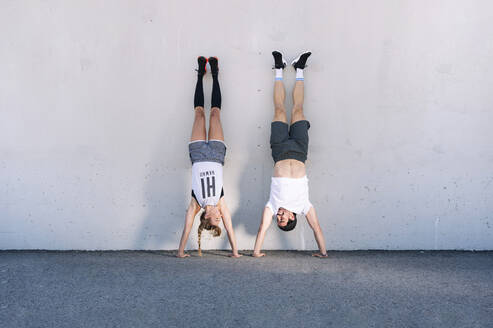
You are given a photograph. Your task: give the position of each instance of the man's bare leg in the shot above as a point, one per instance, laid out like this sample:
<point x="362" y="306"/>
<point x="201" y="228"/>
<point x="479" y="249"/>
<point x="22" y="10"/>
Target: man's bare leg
<point x="279" y="92"/>
<point x="279" y="110"/>
<point x="279" y="97"/>
<point x="299" y="65"/>
<point x="298" y="98"/>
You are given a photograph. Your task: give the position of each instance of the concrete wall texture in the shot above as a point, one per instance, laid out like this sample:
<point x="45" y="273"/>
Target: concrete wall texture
<point x="96" y="105"/>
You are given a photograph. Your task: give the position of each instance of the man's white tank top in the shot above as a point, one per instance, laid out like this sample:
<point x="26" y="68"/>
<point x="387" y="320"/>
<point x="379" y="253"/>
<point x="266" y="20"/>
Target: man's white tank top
<point x="207" y="182"/>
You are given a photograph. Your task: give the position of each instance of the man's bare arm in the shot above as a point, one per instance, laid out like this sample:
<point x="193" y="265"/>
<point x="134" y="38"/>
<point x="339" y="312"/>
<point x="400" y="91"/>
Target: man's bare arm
<point x="228" y="225"/>
<point x="192" y="211"/>
<point x="312" y="219"/>
<point x="264" y="225"/>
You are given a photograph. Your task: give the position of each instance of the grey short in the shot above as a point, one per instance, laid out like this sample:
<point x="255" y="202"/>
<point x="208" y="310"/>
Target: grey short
<point x="289" y="142"/>
<point x="207" y="151"/>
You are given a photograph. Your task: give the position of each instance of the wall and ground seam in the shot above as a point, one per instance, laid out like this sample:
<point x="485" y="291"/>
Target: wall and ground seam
<point x="96" y="111"/>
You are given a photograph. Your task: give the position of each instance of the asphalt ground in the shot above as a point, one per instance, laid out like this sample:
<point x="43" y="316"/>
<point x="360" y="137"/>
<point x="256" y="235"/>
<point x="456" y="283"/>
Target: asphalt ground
<point x="284" y="289"/>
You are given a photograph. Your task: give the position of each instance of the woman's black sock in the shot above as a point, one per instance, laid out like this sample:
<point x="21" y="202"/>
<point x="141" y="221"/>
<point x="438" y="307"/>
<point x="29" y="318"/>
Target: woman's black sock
<point x="216" y="92"/>
<point x="198" y="99"/>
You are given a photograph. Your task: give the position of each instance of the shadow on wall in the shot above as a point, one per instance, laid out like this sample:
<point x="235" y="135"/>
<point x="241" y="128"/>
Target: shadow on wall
<point x="165" y="197"/>
<point x="246" y="217"/>
<point x="253" y="193"/>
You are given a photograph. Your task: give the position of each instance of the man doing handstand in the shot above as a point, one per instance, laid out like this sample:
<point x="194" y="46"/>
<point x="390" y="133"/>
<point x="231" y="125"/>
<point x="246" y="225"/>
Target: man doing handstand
<point x="289" y="144"/>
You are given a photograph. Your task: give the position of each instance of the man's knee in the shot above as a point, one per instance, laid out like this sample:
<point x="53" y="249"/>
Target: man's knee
<point x="297" y="110"/>
<point x="297" y="114"/>
<point x="279" y="110"/>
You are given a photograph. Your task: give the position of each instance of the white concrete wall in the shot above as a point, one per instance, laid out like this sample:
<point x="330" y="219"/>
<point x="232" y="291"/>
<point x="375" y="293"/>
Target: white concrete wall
<point x="96" y="110"/>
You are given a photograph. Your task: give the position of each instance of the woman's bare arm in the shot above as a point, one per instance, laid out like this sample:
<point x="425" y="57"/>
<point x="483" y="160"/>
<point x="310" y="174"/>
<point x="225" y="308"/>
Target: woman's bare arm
<point x="228" y="225"/>
<point x="192" y="211"/>
<point x="264" y="225"/>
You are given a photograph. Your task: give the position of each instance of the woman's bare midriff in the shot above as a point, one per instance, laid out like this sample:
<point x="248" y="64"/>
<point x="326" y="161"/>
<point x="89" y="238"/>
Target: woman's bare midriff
<point x="289" y="168"/>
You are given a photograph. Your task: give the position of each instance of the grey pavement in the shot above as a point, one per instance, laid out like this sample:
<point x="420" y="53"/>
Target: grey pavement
<point x="284" y="289"/>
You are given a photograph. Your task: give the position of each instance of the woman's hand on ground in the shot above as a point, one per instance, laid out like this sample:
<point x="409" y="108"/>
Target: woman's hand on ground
<point x="182" y="255"/>
<point x="258" y="254"/>
<point x="320" y="255"/>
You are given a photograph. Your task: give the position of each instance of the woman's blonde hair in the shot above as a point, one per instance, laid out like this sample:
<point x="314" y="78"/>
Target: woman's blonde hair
<point x="205" y="224"/>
